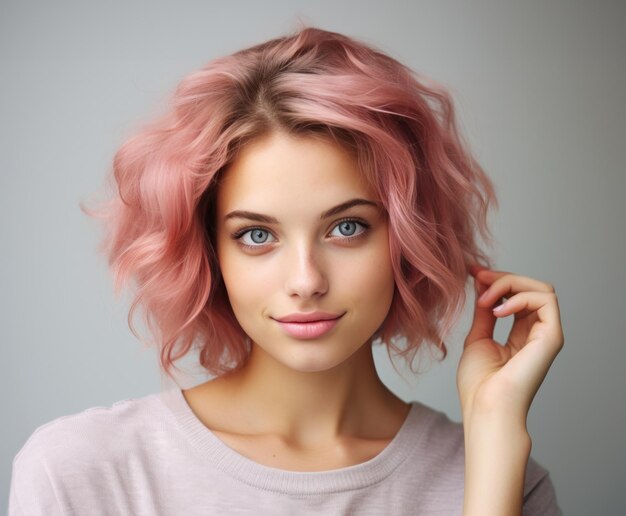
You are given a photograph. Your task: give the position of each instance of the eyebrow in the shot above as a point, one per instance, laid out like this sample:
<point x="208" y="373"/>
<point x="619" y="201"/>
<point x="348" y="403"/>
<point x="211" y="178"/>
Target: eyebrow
<point x="328" y="213"/>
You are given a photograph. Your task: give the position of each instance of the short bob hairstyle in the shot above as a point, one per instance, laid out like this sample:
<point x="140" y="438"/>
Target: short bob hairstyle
<point x="400" y="127"/>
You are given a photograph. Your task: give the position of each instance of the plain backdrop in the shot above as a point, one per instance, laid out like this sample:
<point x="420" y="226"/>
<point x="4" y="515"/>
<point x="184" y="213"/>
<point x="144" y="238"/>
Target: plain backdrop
<point x="539" y="88"/>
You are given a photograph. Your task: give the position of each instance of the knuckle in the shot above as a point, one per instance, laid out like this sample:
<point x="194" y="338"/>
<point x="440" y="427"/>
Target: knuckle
<point x="503" y="282"/>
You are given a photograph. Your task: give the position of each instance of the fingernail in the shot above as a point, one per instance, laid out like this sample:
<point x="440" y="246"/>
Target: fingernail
<point x="499" y="308"/>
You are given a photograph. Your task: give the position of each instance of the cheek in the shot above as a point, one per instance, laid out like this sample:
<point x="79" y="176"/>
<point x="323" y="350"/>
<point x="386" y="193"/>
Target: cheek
<point x="249" y="282"/>
<point x="240" y="276"/>
<point x="369" y="278"/>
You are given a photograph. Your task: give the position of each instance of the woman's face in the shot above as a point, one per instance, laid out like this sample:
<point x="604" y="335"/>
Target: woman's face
<point x="295" y="251"/>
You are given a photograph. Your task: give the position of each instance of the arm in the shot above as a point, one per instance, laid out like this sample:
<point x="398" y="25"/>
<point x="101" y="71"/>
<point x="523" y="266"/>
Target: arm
<point x="496" y="455"/>
<point x="497" y="384"/>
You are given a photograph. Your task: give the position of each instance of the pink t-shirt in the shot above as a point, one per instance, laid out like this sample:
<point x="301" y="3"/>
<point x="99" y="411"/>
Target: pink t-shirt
<point x="153" y="456"/>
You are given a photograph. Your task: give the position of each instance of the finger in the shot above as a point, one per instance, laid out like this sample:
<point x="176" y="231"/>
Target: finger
<point x="484" y="320"/>
<point x="545" y="340"/>
<point x="504" y="284"/>
<point x="488" y="276"/>
<point x="548" y="327"/>
<point x="476" y="268"/>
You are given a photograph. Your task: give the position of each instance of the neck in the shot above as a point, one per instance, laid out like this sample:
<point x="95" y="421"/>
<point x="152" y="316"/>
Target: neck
<point x="310" y="408"/>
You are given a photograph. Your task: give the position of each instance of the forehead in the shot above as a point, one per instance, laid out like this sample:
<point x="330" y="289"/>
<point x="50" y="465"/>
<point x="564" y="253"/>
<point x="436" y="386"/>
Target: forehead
<point x="287" y="171"/>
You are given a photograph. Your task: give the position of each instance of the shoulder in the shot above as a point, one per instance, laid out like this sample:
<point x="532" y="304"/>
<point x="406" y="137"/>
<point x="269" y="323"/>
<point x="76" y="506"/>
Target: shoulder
<point x="89" y="435"/>
<point x="438" y="448"/>
<point x="438" y="432"/>
<point x="69" y="457"/>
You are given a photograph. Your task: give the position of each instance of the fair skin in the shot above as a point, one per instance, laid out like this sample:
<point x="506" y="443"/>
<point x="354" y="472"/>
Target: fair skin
<point x="497" y="384"/>
<point x="314" y="405"/>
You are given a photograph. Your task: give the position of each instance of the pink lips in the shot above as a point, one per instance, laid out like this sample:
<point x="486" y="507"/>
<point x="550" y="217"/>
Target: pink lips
<point x="303" y="326"/>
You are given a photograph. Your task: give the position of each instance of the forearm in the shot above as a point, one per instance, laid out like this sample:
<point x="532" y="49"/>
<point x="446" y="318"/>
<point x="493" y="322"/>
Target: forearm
<point x="496" y="455"/>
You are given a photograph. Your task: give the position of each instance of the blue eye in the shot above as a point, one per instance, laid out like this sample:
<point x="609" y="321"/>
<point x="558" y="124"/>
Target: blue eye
<point x="258" y="236"/>
<point x="349" y="227"/>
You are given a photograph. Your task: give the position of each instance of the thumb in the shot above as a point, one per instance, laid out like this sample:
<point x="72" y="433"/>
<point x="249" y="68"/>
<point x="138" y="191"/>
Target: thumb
<point x="484" y="320"/>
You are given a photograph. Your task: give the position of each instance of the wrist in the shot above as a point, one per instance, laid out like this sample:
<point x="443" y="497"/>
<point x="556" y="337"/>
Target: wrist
<point x="498" y="438"/>
<point x="507" y="418"/>
<point x="499" y="428"/>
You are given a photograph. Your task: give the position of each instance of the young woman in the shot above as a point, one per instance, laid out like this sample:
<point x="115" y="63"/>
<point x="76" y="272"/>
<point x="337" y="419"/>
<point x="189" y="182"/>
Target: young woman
<point x="302" y="201"/>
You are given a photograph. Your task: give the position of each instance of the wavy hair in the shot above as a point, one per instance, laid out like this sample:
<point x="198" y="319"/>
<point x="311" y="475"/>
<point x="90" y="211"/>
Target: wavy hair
<point x="400" y="126"/>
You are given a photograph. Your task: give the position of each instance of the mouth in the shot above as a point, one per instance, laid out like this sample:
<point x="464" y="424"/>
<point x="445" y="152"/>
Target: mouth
<point x="306" y="317"/>
<point x="312" y="329"/>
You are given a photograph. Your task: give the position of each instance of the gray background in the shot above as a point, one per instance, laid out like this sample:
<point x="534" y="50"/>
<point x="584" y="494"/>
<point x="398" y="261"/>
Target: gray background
<point x="539" y="88"/>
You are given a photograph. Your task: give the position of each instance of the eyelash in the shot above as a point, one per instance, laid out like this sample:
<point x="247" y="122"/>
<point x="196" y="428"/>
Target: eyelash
<point x="241" y="232"/>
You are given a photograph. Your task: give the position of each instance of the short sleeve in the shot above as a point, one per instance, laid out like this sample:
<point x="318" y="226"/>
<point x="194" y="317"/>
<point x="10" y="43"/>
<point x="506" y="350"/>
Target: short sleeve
<point x="540" y="496"/>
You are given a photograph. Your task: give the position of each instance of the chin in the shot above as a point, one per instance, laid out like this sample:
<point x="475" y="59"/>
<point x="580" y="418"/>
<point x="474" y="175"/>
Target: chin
<point x="314" y="357"/>
<point x="312" y="366"/>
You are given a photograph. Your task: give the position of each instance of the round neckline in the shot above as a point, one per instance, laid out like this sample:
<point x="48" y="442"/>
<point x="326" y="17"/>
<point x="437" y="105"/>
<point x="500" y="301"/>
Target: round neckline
<point x="216" y="452"/>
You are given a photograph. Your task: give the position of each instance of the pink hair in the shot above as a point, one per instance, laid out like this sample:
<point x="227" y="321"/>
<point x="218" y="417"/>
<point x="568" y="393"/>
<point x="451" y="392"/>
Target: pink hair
<point x="401" y="129"/>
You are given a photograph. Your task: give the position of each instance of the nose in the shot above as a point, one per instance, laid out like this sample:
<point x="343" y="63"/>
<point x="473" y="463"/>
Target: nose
<point x="305" y="276"/>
